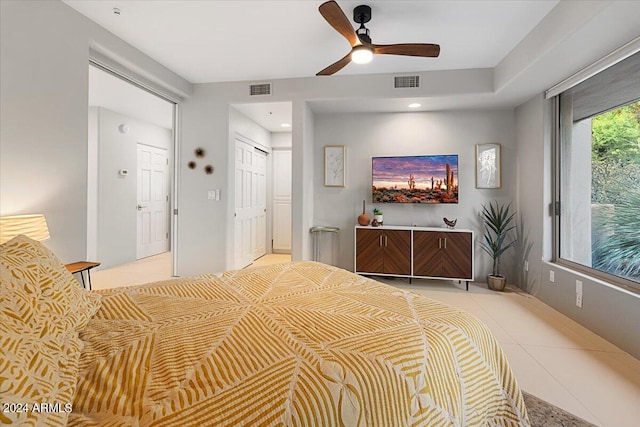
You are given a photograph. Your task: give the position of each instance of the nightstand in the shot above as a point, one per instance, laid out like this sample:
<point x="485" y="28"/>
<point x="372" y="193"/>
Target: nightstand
<point x="81" y="267"/>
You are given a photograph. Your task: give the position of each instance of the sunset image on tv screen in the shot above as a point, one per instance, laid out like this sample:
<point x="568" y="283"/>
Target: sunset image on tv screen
<point x="415" y="179"/>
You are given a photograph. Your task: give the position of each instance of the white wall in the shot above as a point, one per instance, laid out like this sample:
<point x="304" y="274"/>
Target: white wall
<point x="117" y="194"/>
<point x="281" y="139"/>
<point x="44" y="58"/>
<point x="303" y="186"/>
<point x="92" y="185"/>
<point x="531" y="204"/>
<point x="399" y="134"/>
<point x="205" y="227"/>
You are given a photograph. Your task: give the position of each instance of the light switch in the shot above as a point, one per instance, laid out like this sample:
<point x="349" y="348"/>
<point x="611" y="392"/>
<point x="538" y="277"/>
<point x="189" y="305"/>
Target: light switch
<point x="211" y="195"/>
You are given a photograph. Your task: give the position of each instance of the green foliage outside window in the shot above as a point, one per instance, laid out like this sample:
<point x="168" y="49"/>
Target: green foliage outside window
<point x="615" y="160"/>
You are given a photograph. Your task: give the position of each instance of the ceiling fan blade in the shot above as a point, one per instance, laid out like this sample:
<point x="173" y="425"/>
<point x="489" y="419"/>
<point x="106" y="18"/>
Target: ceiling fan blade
<point x="338" y="20"/>
<point x="336" y="66"/>
<point x="407" y="49"/>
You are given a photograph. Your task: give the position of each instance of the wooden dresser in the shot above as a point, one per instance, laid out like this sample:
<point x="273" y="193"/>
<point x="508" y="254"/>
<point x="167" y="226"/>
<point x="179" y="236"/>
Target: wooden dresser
<point x="415" y="252"/>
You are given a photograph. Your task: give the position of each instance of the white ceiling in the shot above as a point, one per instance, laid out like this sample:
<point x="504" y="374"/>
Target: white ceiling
<point x="216" y="40"/>
<point x="270" y="116"/>
<point x="208" y="41"/>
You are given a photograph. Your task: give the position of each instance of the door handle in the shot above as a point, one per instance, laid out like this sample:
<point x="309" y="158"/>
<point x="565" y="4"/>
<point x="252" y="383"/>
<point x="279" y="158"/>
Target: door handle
<point x="140" y="207"/>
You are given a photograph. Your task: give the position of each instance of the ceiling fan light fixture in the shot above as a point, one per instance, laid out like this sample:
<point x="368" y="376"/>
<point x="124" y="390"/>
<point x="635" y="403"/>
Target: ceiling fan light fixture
<point x="361" y="55"/>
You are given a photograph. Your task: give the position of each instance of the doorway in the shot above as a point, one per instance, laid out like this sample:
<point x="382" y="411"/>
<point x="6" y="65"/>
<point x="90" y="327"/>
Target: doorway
<point x="260" y="168"/>
<point x="250" y="217"/>
<point x="153" y="201"/>
<point x="131" y="172"/>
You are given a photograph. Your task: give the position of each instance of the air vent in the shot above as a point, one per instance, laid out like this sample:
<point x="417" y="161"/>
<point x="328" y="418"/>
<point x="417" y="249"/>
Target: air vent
<point x="406" y="81"/>
<point x="260" y="89"/>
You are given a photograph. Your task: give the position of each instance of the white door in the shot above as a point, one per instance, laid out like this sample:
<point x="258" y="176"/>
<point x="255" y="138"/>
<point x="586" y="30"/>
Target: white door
<point x="282" y="201"/>
<point x="259" y="202"/>
<point x="244" y="211"/>
<point x="153" y="201"/>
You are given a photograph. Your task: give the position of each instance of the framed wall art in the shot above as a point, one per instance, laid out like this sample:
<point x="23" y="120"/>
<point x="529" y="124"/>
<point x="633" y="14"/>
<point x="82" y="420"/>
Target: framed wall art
<point x="488" y="166"/>
<point x="334" y="165"/>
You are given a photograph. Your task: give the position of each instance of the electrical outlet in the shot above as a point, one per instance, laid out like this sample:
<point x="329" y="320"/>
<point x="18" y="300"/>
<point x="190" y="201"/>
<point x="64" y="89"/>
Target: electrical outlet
<point x="579" y="300"/>
<point x="526" y="266"/>
<point x="579" y="293"/>
<point x="552" y="276"/>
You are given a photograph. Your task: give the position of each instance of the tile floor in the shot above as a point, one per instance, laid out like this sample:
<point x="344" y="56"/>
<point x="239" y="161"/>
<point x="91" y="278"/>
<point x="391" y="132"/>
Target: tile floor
<point x="552" y="356"/>
<point x="151" y="269"/>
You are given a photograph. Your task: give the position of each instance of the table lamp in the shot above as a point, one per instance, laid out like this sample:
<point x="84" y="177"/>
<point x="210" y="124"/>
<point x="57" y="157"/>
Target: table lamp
<point x="33" y="226"/>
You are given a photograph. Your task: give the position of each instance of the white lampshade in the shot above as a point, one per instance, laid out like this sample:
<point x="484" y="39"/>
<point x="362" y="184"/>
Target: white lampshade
<point x="32" y="226"/>
<point x="361" y="55"/>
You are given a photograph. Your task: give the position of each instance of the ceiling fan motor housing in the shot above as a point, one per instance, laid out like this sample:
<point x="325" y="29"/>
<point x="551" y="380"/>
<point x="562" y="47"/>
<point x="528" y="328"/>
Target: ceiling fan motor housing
<point x="362" y="15"/>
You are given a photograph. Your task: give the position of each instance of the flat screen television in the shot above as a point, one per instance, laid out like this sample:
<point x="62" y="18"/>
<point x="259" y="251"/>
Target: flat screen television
<point x="415" y="179"/>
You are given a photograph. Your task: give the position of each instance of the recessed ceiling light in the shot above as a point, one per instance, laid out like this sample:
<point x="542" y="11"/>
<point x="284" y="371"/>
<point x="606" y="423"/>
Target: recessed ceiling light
<point x="285" y="125"/>
<point x="415" y="105"/>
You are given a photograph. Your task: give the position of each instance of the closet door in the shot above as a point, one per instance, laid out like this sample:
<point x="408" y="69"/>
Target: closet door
<point x="259" y="203"/>
<point x="281" y="200"/>
<point x="244" y="211"/>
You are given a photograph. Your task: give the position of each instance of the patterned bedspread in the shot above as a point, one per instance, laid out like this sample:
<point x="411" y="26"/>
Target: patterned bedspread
<point x="291" y="344"/>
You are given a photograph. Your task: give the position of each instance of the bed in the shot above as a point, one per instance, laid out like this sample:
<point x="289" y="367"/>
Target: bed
<point x="300" y="343"/>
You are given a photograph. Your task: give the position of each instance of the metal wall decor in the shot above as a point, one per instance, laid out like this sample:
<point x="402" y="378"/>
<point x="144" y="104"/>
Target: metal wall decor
<point x="200" y="153"/>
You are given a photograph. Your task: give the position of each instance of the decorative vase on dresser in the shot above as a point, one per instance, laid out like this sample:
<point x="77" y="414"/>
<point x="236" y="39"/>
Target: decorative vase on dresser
<point x="364" y="218"/>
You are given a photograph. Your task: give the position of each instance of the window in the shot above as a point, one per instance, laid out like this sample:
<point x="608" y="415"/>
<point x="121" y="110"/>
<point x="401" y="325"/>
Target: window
<point x="598" y="175"/>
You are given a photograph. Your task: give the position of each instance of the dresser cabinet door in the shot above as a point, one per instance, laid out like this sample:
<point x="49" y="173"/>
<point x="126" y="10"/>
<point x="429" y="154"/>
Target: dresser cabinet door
<point x="442" y="254"/>
<point x="426" y="253"/>
<point x="369" y="251"/>
<point x="456" y="256"/>
<point x="397" y="252"/>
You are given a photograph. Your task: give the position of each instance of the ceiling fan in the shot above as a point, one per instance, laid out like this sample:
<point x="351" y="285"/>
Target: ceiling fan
<point x="362" y="50"/>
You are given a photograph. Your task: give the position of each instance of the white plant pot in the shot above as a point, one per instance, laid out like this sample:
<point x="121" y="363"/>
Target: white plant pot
<point x="378" y="218"/>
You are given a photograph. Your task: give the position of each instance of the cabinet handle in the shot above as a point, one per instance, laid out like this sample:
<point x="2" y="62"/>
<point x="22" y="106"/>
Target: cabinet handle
<point x="439" y="242"/>
<point x="380" y="240"/>
<point x="385" y="240"/>
<point x="445" y="243"/>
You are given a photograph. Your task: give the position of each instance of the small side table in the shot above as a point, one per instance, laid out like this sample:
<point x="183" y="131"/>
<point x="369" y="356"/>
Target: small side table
<point x="80" y="267"/>
<point x="317" y="232"/>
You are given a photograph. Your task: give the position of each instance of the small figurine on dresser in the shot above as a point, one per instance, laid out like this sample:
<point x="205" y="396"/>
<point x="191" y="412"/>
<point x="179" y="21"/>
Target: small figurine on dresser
<point x="450" y="223"/>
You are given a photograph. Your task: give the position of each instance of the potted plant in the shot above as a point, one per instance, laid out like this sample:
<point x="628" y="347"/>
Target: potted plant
<point x="377" y="215"/>
<point x="498" y="221"/>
